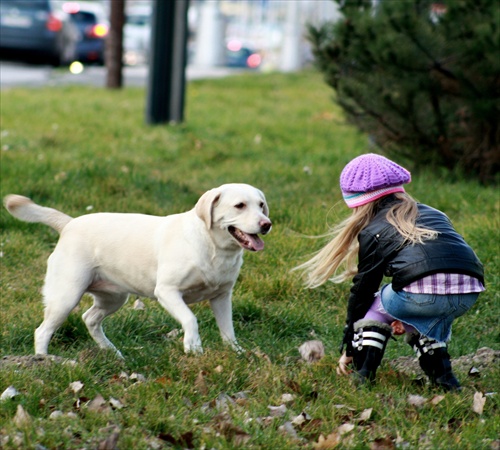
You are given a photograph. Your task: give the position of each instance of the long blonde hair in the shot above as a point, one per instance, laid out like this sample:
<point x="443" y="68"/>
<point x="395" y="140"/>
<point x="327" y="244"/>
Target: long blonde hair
<point x="342" y="250"/>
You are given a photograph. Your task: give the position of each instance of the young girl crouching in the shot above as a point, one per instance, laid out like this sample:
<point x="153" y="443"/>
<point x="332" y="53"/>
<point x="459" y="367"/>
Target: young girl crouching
<point x="435" y="276"/>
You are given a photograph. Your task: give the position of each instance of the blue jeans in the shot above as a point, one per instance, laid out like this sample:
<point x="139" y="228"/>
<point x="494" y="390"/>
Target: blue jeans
<point x="432" y="315"/>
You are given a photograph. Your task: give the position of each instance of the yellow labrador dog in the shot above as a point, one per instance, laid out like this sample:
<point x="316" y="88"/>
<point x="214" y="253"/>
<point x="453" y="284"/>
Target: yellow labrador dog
<point x="179" y="259"/>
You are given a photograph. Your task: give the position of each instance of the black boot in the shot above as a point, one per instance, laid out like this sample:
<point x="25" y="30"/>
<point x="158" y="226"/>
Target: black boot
<point x="370" y="340"/>
<point x="434" y="360"/>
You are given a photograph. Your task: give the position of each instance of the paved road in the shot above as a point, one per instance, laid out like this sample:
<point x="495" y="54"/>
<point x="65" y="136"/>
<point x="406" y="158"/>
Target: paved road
<point x="20" y="74"/>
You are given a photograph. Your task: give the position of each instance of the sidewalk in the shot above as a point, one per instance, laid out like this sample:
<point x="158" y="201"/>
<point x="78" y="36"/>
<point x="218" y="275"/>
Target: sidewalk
<point x="25" y="75"/>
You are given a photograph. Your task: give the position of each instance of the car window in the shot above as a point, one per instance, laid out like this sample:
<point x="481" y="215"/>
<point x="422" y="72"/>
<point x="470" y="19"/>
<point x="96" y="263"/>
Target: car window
<point x="241" y="53"/>
<point x="84" y="17"/>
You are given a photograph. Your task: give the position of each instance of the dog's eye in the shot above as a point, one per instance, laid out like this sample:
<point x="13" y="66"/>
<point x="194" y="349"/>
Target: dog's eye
<point x="240" y="205"/>
<point x="261" y="205"/>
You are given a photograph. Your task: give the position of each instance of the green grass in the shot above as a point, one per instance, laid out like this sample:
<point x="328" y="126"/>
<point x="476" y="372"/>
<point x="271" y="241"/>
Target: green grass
<point x="84" y="150"/>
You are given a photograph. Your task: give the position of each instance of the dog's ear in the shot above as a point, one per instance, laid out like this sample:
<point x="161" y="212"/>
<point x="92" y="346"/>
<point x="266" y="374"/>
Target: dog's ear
<point x="205" y="205"/>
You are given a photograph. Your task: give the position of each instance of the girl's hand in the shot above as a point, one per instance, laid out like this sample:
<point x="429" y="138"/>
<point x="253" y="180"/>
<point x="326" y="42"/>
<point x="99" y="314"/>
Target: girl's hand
<point x="344" y="362"/>
<point x="397" y="328"/>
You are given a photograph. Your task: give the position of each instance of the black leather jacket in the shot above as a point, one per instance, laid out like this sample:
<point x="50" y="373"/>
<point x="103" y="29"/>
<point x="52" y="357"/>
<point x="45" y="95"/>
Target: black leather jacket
<point x="381" y="254"/>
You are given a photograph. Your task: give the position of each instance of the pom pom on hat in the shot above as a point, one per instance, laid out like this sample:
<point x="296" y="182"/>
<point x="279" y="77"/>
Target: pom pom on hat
<point x="369" y="177"/>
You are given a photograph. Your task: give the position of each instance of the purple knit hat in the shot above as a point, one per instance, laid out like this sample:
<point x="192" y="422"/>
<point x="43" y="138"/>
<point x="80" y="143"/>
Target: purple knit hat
<point x="369" y="177"/>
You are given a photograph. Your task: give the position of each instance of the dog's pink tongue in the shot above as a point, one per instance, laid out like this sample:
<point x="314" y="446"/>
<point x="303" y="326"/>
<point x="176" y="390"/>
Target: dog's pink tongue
<point x="256" y="242"/>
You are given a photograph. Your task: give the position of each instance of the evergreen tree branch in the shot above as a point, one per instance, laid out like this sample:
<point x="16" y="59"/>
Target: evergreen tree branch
<point x="436" y="65"/>
<point x="367" y="110"/>
<point x="408" y="115"/>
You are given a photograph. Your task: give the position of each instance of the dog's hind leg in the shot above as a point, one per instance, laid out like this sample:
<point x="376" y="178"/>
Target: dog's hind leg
<point x="104" y="305"/>
<point x="58" y="305"/>
<point x="65" y="283"/>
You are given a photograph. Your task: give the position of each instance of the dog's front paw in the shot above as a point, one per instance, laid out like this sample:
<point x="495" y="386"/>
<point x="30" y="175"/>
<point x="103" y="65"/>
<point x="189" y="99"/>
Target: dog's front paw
<point x="193" y="346"/>
<point x="193" y="350"/>
<point x="237" y="347"/>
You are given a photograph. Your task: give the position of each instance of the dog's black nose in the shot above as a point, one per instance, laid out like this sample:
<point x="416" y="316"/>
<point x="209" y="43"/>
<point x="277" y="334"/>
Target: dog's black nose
<point x="265" y="226"/>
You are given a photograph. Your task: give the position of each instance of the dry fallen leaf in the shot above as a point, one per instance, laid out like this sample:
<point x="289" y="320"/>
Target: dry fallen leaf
<point x="79" y="402"/>
<point x="110" y="443"/>
<point x="137" y="377"/>
<point x="261" y="355"/>
<point x="474" y="372"/>
<point x="312" y="351"/>
<point x="382" y="444"/>
<point x="331" y="441"/>
<point x="241" y="398"/>
<point x="288" y="429"/>
<point x="9" y="393"/>
<point x="264" y="421"/>
<point x="123" y="376"/>
<point x="416" y="400"/>
<point x="139" y="305"/>
<point x="400" y="442"/>
<point x="233" y="433"/>
<point x="164" y="381"/>
<point x="98" y="404"/>
<point x="312" y="426"/>
<point x="55" y="414"/>
<point x="241" y="401"/>
<point x="344" y="406"/>
<point x="241" y="438"/>
<point x="287" y="398"/>
<point x="200" y="384"/>
<point x="345" y="428"/>
<point x="22" y="418"/>
<point x="116" y="404"/>
<point x="294" y="386"/>
<point x="365" y="415"/>
<point x="154" y="443"/>
<point x="174" y="333"/>
<point x="478" y="403"/>
<point x="437" y="399"/>
<point x="76" y="386"/>
<point x="277" y="411"/>
<point x="223" y="402"/>
<point x="301" y="418"/>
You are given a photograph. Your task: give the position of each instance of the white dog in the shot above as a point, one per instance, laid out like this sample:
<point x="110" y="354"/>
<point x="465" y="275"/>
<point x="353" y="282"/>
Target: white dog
<point x="179" y="259"/>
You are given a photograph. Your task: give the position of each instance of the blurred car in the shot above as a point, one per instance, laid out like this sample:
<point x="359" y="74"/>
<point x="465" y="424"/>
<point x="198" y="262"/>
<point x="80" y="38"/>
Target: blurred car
<point x="91" y="21"/>
<point x="137" y="35"/>
<point x="36" y="30"/>
<point x="239" y="56"/>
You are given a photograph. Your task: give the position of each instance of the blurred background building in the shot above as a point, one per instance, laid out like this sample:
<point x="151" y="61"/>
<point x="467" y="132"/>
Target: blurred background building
<point x="254" y="34"/>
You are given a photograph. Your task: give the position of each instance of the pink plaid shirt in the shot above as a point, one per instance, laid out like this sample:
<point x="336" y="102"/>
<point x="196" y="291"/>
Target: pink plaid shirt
<point x="444" y="284"/>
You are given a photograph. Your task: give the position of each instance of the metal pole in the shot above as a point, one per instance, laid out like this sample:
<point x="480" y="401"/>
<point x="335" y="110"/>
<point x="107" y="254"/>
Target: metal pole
<point x="167" y="78"/>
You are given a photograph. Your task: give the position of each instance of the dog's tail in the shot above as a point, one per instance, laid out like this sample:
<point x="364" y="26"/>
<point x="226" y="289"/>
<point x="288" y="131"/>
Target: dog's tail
<point x="23" y="208"/>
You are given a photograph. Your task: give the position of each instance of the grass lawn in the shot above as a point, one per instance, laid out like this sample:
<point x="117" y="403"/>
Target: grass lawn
<point x="84" y="150"/>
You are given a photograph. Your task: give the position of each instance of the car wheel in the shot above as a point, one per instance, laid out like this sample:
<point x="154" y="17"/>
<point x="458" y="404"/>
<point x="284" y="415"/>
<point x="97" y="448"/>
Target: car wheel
<point x="55" y="60"/>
